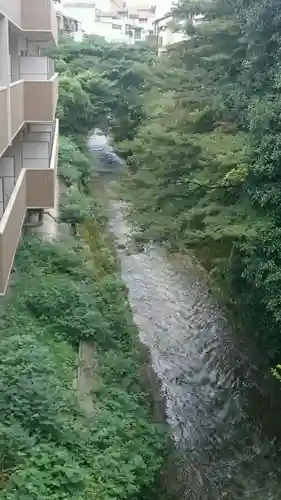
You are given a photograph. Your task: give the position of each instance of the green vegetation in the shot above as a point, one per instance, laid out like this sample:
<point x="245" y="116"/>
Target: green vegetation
<point x="65" y="292"/>
<point x="205" y="161"/>
<point x="200" y="130"/>
<point x="101" y="86"/>
<point x="49" y="448"/>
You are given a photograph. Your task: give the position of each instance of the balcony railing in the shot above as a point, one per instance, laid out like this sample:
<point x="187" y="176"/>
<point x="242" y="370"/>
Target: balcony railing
<point x="4" y="116"/>
<point x="40" y="185"/>
<point x="17" y="107"/>
<point x="36" y="68"/>
<point x="33" y="97"/>
<point x="10" y="229"/>
<point x="35" y="188"/>
<point x="40" y="100"/>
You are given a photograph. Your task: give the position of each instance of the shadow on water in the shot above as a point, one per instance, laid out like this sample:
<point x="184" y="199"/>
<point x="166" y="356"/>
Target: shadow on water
<point x="220" y="402"/>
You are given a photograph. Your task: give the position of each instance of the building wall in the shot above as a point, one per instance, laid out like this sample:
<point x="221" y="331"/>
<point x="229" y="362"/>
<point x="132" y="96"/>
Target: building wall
<point x="130" y="24"/>
<point x="29" y="135"/>
<point x="165" y="34"/>
<point x="68" y="25"/>
<point x="83" y="11"/>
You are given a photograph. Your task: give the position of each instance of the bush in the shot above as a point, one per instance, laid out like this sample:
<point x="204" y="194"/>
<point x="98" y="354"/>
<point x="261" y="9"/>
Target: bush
<point x="74" y="166"/>
<point x="50" y="449"/>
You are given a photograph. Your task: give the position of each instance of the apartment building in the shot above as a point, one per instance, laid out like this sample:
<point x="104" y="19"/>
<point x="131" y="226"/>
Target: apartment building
<point x="68" y="26"/>
<point x="125" y="23"/>
<point x="28" y="128"/>
<point x="165" y="33"/>
<point x="83" y="11"/>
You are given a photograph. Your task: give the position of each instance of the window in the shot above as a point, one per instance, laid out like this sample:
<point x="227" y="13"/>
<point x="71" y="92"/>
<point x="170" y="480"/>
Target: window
<point x="128" y="29"/>
<point x="138" y="33"/>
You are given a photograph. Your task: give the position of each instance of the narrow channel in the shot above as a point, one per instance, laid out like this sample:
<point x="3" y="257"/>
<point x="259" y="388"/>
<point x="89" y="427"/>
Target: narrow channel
<point x="221" y="403"/>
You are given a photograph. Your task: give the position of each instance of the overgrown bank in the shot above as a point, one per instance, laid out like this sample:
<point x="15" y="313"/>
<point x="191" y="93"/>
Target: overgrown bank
<point x="199" y="128"/>
<point x="68" y="291"/>
<point x="49" y="449"/>
<point x="205" y="161"/>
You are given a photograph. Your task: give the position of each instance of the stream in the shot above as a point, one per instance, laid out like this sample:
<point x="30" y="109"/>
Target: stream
<point x="221" y="403"/>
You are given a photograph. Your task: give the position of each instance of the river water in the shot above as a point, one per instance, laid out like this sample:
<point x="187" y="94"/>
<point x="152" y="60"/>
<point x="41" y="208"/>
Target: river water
<point x="222" y="405"/>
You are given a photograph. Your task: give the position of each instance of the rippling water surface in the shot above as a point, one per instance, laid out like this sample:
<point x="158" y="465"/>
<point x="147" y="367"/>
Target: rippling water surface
<point x="222" y="408"/>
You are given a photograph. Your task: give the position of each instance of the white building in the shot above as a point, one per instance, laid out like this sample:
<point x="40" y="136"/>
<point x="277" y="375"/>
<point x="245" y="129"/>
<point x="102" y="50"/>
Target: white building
<point x="165" y="33"/>
<point x="83" y="11"/>
<point x="68" y="25"/>
<point x="123" y="23"/>
<point x="115" y="20"/>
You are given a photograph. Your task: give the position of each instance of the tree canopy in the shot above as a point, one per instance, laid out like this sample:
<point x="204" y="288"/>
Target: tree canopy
<point x="101" y="86"/>
<point x="205" y="159"/>
<point x="199" y="127"/>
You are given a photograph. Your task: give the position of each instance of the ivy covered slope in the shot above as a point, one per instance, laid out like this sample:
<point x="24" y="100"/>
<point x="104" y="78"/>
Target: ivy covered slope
<point x="67" y="292"/>
<point x="205" y="160"/>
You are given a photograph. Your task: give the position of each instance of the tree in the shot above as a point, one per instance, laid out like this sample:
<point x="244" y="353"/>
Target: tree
<point x="74" y="166"/>
<point x="101" y="86"/>
<point x="76" y="208"/>
<point x="74" y="107"/>
<point x="204" y="159"/>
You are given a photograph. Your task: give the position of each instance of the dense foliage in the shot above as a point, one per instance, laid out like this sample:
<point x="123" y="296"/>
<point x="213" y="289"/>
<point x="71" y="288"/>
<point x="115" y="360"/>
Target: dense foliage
<point x="68" y="291"/>
<point x="205" y="161"/>
<point x="101" y="86"/>
<point x="199" y="128"/>
<point x="49" y="448"/>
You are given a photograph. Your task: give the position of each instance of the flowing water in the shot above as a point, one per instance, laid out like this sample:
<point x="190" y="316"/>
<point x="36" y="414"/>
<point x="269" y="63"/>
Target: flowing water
<point x="221" y="405"/>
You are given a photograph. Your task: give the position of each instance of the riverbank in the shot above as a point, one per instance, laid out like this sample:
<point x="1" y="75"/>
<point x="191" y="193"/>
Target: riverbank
<point x="185" y="136"/>
<point x="68" y="293"/>
<point x="58" y="300"/>
<point x="218" y="395"/>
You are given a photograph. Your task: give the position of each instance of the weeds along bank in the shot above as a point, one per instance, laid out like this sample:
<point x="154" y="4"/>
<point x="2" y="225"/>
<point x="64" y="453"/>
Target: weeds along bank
<point x="205" y="160"/>
<point x="200" y="130"/>
<point x="68" y="291"/>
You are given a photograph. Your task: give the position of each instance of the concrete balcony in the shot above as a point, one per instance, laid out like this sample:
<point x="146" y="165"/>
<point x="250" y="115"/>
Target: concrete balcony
<point x="34" y="188"/>
<point x="4" y="121"/>
<point x="32" y="98"/>
<point x="17" y="106"/>
<point x="13" y="10"/>
<point x="10" y="230"/>
<point x="40" y="15"/>
<point x="41" y="168"/>
<point x="35" y="68"/>
<point x="40" y="88"/>
<point x="34" y="95"/>
<point x="37" y="18"/>
<point x="40" y="100"/>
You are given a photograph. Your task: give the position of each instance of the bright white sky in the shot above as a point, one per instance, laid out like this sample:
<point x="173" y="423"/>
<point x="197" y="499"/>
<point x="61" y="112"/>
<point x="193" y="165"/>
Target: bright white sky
<point x="162" y="6"/>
